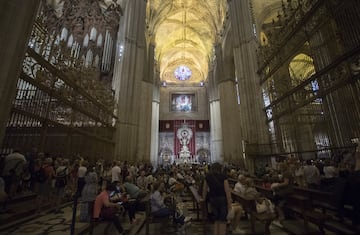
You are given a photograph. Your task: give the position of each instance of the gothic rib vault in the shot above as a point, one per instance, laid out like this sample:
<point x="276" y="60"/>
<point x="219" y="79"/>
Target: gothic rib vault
<point x="184" y="33"/>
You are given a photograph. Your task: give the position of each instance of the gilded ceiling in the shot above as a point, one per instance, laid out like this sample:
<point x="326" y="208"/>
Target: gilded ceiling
<point x="184" y="32"/>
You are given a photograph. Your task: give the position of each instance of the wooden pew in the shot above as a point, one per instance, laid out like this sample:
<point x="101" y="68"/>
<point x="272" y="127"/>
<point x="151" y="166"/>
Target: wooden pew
<point x="299" y="206"/>
<point x="305" y="204"/>
<point x="319" y="199"/>
<point x="322" y="202"/>
<point x="312" y="206"/>
<point x="266" y="192"/>
<point x="249" y="206"/>
<point x="198" y="204"/>
<point x="150" y="219"/>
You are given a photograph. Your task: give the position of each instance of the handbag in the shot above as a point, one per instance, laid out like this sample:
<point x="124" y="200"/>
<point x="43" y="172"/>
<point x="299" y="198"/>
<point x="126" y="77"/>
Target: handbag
<point x="60" y="179"/>
<point x="230" y="214"/>
<point x="265" y="206"/>
<point x="261" y="207"/>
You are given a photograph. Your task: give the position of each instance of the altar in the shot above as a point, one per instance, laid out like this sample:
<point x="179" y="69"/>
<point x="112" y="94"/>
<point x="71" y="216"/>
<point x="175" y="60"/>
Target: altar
<point x="184" y="134"/>
<point x="183" y="142"/>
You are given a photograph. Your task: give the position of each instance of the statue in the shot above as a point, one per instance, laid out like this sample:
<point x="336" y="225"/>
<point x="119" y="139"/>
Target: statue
<point x="184" y="141"/>
<point x="184" y="135"/>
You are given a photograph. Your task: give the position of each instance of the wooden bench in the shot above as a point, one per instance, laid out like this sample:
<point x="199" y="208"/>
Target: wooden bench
<point x="313" y="206"/>
<point x="318" y="198"/>
<point x="266" y="192"/>
<point x="300" y="207"/>
<point x="303" y="207"/>
<point x="321" y="202"/>
<point x="149" y="218"/>
<point x="249" y="206"/>
<point x="198" y="204"/>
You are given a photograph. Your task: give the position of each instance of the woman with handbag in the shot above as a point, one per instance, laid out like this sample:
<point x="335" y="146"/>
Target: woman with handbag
<point x="106" y="210"/>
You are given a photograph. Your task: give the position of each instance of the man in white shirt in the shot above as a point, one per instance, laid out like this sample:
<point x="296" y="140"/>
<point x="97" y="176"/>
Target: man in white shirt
<point x="312" y="175"/>
<point x="330" y="170"/>
<point x="115" y="173"/>
<point x="239" y="186"/>
<point x="81" y="177"/>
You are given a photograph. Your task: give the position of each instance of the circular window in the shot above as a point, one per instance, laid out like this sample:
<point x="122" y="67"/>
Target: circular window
<point x="182" y="73"/>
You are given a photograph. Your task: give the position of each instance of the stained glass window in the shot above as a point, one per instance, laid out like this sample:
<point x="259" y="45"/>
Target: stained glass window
<point x="182" y="73"/>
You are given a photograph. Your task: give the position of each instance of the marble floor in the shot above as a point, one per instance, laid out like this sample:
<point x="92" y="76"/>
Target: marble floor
<point x="59" y="224"/>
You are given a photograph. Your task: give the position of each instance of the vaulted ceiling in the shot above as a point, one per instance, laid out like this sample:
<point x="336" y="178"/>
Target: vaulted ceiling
<point x="184" y="33"/>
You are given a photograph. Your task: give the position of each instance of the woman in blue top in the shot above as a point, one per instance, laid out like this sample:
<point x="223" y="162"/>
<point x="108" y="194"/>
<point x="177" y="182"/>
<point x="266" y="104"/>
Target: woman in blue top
<point x="216" y="187"/>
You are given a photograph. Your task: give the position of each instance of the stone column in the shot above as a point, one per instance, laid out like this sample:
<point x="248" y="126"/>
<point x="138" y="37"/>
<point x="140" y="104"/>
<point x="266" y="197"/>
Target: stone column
<point x="128" y="77"/>
<point x="154" y="147"/>
<point x="216" y="141"/>
<point x="16" y="20"/>
<point x="216" y="146"/>
<point x="231" y="130"/>
<point x="252" y="117"/>
<point x="146" y="103"/>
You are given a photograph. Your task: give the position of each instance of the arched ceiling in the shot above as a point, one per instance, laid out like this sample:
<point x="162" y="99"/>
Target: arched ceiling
<point x="184" y="32"/>
<point x="266" y="10"/>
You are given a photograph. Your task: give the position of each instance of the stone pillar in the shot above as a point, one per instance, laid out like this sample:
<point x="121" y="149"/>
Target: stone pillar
<point x="16" y="20"/>
<point x="216" y="146"/>
<point x="154" y="147"/>
<point x="128" y="77"/>
<point x="252" y="117"/>
<point x="231" y="129"/>
<point x="146" y="103"/>
<point x="225" y="82"/>
<point x="216" y="141"/>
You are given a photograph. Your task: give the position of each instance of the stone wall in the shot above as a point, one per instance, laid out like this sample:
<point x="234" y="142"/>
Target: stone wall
<point x="201" y="103"/>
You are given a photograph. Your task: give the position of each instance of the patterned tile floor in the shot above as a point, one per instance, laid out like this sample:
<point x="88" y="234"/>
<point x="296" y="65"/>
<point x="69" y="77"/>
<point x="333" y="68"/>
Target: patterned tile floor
<point x="59" y="224"/>
<point x="196" y="227"/>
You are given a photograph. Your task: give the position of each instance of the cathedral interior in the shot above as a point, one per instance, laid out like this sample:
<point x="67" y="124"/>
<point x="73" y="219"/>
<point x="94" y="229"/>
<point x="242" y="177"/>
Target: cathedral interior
<point x="176" y="81"/>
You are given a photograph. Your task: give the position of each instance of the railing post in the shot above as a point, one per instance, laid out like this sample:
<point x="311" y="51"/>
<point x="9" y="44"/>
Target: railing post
<point x="73" y="220"/>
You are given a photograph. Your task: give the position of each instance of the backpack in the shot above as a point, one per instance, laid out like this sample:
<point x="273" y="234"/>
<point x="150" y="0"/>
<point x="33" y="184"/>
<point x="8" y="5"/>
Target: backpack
<point x="40" y="175"/>
<point x="60" y="179"/>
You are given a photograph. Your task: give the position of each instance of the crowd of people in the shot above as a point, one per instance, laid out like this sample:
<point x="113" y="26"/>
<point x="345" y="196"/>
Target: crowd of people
<point x="338" y="175"/>
<point x="116" y="187"/>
